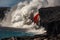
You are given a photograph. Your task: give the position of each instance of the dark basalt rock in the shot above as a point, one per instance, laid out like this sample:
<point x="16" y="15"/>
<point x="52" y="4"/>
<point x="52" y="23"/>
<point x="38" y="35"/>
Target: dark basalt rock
<point x="3" y="10"/>
<point x="50" y="14"/>
<point x="50" y="19"/>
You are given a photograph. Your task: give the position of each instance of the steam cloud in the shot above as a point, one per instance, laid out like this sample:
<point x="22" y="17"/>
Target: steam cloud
<point x="19" y="15"/>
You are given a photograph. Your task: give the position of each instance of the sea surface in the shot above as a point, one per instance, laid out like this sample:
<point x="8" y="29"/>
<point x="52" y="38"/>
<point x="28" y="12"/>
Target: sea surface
<point x="10" y="32"/>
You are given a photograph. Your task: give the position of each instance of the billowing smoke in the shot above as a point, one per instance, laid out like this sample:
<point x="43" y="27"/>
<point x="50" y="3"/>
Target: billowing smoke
<point x="20" y="14"/>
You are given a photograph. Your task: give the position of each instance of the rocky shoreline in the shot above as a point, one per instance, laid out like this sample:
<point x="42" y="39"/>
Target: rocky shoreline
<point x="34" y="38"/>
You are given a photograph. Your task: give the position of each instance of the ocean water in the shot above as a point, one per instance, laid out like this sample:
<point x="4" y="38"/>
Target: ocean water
<point x="4" y="33"/>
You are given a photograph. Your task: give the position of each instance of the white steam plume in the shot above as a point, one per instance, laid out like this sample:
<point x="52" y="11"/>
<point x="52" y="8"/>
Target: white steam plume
<point x="19" y="15"/>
